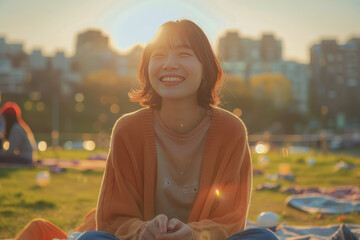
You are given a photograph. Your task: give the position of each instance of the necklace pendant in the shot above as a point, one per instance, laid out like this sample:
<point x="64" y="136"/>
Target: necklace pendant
<point x="181" y="125"/>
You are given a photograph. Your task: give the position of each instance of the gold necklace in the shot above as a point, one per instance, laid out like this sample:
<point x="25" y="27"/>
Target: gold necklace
<point x="181" y="125"/>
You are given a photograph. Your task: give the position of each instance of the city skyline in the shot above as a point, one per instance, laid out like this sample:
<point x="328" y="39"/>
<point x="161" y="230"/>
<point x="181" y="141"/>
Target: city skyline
<point x="128" y="23"/>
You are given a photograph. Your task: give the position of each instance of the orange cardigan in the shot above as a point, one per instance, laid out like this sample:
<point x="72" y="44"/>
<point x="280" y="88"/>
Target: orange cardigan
<point x="126" y="200"/>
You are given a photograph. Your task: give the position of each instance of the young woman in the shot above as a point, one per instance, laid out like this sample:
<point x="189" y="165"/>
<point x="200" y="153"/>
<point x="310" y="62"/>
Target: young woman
<point x="19" y="136"/>
<point x="179" y="168"/>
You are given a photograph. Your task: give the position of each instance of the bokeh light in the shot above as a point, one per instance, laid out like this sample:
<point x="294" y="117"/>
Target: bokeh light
<point x="54" y="134"/>
<point x="89" y="145"/>
<point x="6" y="145"/>
<point x="35" y="96"/>
<point x="40" y="106"/>
<point x="16" y="151"/>
<point x="28" y="105"/>
<point x="42" y="146"/>
<point x="262" y="147"/>
<point x="79" y="107"/>
<point x="324" y="110"/>
<point x="103" y="117"/>
<point x="68" y="145"/>
<point x="237" y="112"/>
<point x="79" y="97"/>
<point x="114" y="108"/>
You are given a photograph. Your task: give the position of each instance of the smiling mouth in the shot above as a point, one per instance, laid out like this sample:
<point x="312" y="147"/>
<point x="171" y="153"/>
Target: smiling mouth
<point x="171" y="79"/>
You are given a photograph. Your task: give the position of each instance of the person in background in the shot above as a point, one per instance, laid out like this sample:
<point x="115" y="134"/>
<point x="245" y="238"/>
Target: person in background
<point x="2" y="130"/>
<point x="18" y="145"/>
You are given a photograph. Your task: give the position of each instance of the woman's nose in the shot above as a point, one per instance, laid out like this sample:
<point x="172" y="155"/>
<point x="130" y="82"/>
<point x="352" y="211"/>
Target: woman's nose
<point x="170" y="62"/>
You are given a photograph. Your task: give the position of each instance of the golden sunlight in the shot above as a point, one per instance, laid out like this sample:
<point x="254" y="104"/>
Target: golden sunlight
<point x="141" y="19"/>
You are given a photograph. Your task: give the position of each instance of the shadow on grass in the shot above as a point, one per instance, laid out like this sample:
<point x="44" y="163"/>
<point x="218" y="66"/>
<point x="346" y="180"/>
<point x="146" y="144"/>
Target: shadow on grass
<point x="7" y="213"/>
<point x="5" y="172"/>
<point x="38" y="205"/>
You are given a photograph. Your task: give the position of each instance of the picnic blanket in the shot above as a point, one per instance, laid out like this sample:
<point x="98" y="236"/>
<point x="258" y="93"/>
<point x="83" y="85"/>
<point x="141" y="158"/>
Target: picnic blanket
<point x="320" y="203"/>
<point x="341" y="192"/>
<point x="95" y="165"/>
<point x="329" y="232"/>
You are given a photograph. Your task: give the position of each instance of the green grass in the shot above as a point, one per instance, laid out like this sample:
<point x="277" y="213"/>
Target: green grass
<point x="73" y="193"/>
<point x="323" y="174"/>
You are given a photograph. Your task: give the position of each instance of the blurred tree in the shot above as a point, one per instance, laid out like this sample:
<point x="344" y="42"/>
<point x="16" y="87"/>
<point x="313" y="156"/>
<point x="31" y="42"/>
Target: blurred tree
<point x="274" y="87"/>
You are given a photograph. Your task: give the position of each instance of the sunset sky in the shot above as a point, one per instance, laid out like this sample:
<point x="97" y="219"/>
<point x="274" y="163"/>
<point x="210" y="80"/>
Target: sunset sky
<point x="53" y="25"/>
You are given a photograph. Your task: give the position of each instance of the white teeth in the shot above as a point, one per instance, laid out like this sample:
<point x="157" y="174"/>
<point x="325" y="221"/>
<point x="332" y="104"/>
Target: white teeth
<point x="171" y="79"/>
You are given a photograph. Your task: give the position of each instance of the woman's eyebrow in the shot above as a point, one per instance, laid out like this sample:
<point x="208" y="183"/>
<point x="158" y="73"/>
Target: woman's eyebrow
<point x="182" y="46"/>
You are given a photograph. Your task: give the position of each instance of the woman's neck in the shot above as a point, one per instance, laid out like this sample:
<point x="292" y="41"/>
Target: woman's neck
<point x="180" y="116"/>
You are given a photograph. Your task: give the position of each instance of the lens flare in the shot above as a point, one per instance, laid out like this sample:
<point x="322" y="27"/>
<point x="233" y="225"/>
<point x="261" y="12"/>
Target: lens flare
<point x="217" y="192"/>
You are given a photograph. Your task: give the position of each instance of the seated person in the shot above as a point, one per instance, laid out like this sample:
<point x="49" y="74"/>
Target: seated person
<point x="20" y="139"/>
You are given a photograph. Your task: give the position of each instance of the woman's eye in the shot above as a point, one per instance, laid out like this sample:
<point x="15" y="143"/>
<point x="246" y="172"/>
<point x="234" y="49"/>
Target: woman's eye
<point x="157" y="55"/>
<point x="185" y="54"/>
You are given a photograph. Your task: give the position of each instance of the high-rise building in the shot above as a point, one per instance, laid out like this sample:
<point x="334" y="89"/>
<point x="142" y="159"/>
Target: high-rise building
<point x="14" y="48"/>
<point x="245" y="57"/>
<point x="2" y="47"/>
<point x="61" y="62"/>
<point x="270" y="48"/>
<point x="93" y="52"/>
<point x="37" y="61"/>
<point x="231" y="48"/>
<point x="335" y="80"/>
<point x="92" y="40"/>
<point x="11" y="79"/>
<point x="299" y="75"/>
<point x="128" y="64"/>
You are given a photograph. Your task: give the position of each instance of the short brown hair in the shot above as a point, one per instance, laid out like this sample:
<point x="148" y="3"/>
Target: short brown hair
<point x="209" y="90"/>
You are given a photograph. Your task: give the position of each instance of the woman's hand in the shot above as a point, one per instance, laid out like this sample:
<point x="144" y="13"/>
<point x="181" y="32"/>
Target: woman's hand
<point x="177" y="230"/>
<point x="155" y="227"/>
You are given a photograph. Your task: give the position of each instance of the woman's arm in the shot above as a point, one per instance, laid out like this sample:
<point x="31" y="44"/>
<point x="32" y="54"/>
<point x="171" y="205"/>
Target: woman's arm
<point x="120" y="204"/>
<point x="231" y="197"/>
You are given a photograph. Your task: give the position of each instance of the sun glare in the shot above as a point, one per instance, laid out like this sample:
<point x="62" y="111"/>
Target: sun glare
<point x="138" y="22"/>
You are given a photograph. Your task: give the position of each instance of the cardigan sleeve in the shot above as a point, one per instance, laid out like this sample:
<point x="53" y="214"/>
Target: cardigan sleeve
<point x="120" y="204"/>
<point x="229" y="197"/>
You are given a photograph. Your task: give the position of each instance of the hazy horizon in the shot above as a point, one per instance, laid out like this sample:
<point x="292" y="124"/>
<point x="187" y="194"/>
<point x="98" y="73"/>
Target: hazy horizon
<point x="127" y="23"/>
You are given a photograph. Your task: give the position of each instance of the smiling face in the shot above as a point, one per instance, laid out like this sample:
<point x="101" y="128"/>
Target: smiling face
<point x="178" y="63"/>
<point x="174" y="71"/>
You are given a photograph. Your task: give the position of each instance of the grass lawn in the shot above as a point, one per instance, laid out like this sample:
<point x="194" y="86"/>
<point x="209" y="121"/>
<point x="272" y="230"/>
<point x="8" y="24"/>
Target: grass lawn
<point x="73" y="193"/>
